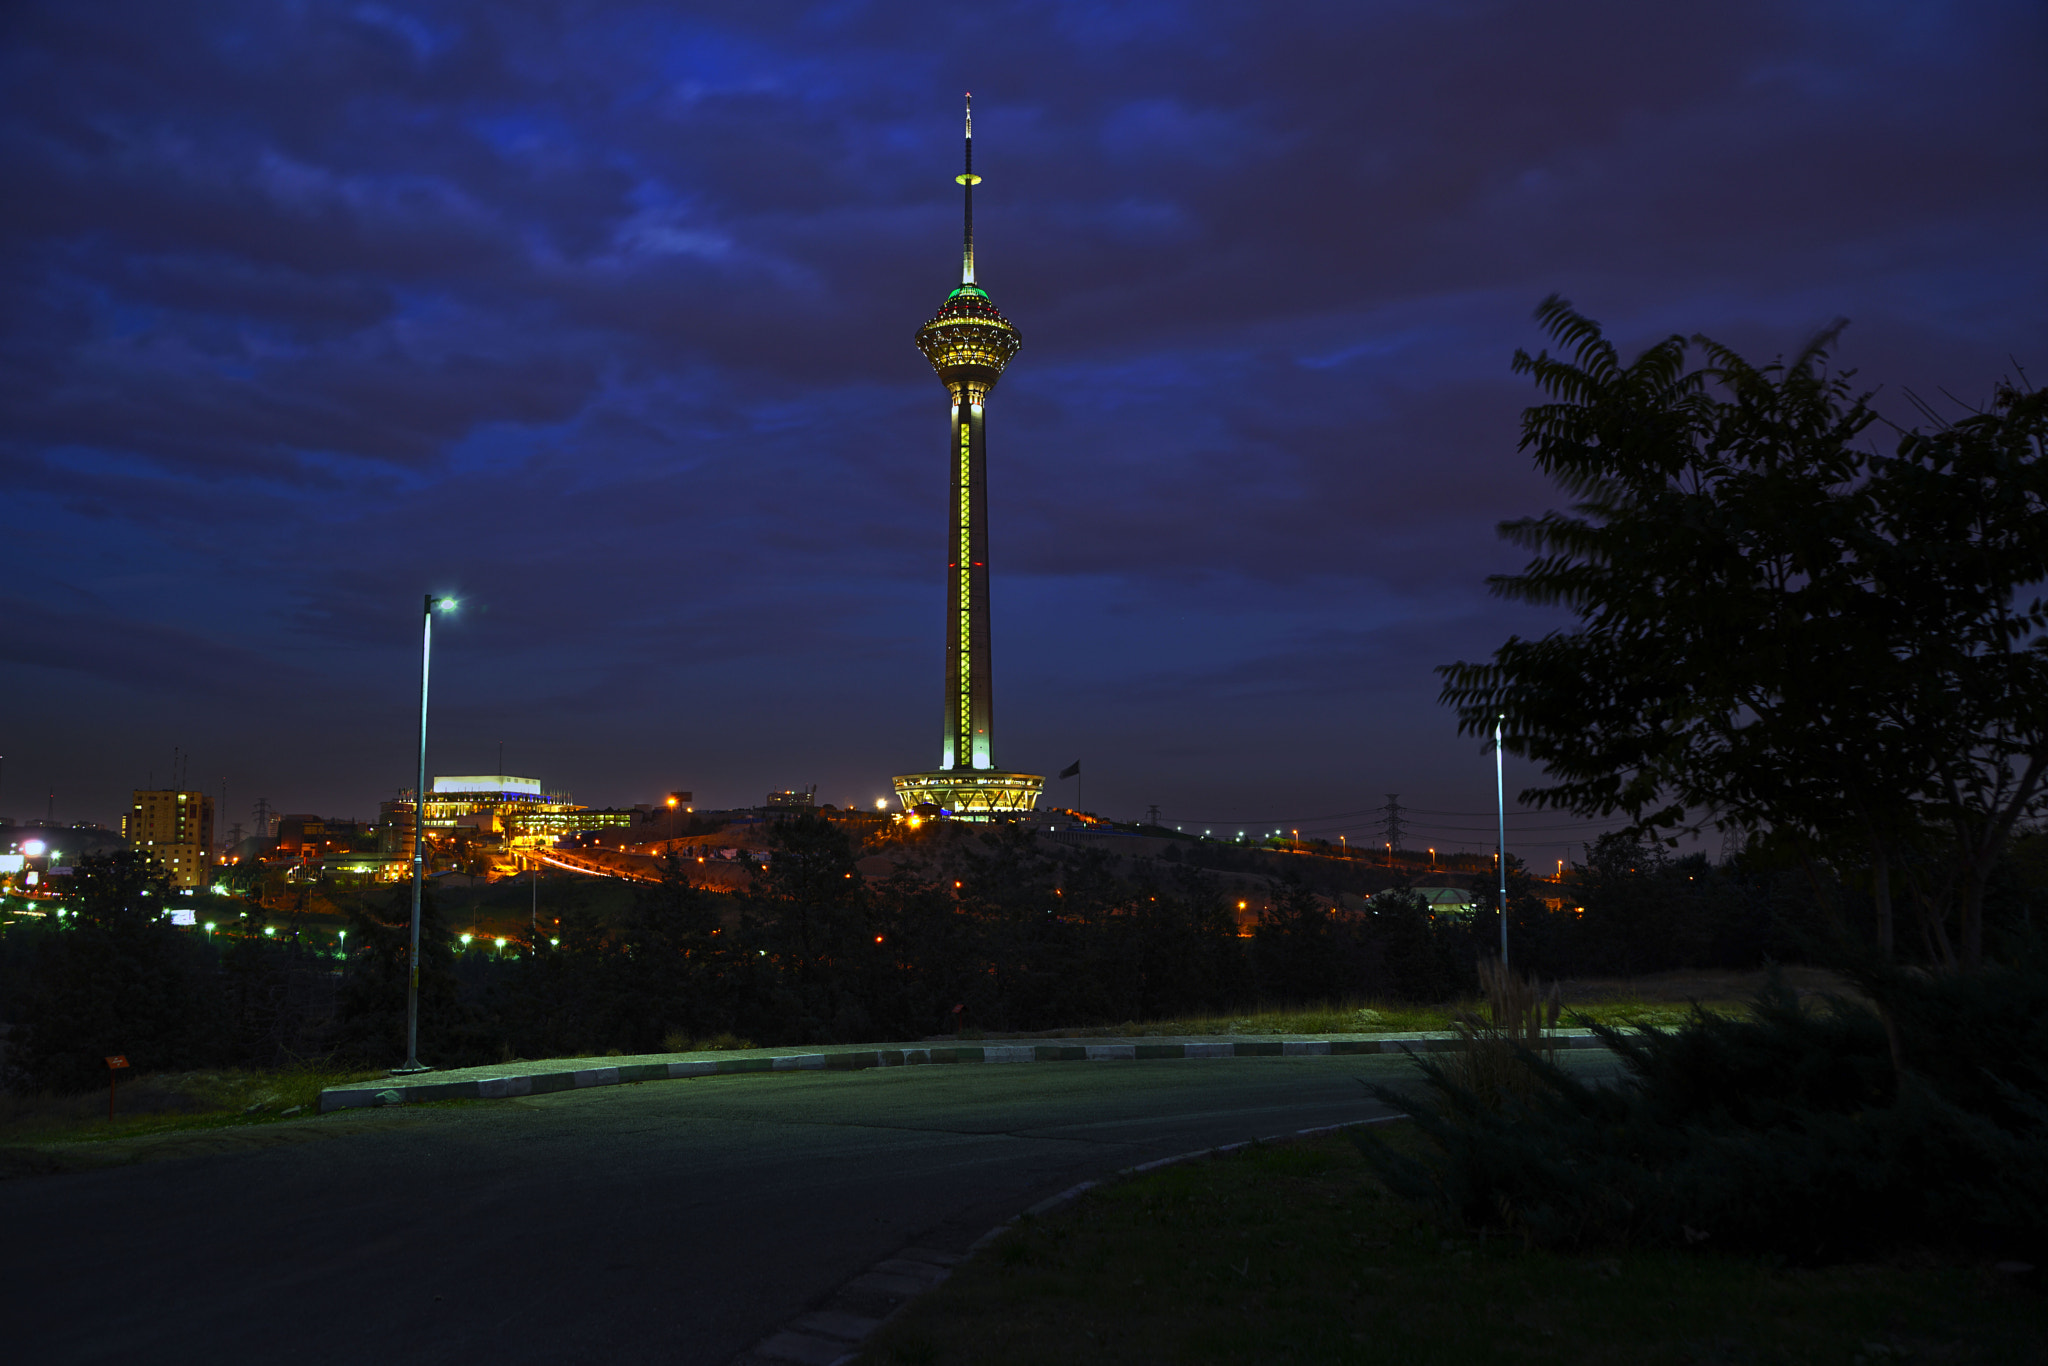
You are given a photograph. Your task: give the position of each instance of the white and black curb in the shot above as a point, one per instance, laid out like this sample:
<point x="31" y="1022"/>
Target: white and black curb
<point x="833" y="1336"/>
<point x="544" y="1082"/>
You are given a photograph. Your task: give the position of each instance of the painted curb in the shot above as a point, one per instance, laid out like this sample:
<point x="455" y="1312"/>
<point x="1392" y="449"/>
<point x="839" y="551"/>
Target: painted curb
<point x="575" y="1079"/>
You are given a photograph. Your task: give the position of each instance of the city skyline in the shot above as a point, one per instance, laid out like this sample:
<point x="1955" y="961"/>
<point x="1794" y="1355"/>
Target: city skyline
<point x="312" y="312"/>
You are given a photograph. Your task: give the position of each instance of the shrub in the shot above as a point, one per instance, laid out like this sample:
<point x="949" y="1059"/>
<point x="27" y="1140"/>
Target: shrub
<point x="1790" y="1133"/>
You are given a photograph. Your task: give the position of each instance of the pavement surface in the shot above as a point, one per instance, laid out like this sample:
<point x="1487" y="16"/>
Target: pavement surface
<point x="679" y="1222"/>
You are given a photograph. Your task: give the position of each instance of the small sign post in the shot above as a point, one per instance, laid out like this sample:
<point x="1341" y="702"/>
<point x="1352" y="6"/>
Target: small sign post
<point x="115" y="1064"/>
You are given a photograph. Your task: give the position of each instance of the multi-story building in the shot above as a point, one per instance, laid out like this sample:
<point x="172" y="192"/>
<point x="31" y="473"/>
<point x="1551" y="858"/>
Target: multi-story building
<point x="177" y="827"/>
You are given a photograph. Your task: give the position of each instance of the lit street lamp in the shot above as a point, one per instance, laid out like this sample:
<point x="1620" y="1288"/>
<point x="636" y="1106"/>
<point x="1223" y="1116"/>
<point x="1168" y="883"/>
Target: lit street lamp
<point x="1500" y="793"/>
<point x="419" y="841"/>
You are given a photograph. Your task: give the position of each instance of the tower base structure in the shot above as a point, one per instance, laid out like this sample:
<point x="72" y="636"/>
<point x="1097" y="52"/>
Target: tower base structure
<point x="971" y="794"/>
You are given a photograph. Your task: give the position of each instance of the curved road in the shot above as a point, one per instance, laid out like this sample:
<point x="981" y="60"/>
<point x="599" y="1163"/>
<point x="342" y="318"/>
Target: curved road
<point x="671" y="1221"/>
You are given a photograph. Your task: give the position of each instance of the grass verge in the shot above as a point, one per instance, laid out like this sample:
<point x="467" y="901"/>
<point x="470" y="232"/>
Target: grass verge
<point x="171" y="1102"/>
<point x="1294" y="1253"/>
<point x="1660" y="999"/>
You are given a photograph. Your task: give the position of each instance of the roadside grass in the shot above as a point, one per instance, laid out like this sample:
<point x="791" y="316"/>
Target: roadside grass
<point x="1661" y="999"/>
<point x="1293" y="1252"/>
<point x="169" y="1102"/>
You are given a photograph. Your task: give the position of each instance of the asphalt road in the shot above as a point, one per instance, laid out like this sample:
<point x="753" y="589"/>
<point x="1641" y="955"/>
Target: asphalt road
<point x="677" y="1222"/>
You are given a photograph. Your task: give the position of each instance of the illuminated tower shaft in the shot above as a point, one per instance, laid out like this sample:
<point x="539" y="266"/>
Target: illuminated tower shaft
<point x="969" y="343"/>
<point x="970" y="707"/>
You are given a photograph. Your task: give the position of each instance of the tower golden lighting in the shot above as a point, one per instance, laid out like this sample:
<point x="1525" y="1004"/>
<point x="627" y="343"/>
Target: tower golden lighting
<point x="969" y="343"/>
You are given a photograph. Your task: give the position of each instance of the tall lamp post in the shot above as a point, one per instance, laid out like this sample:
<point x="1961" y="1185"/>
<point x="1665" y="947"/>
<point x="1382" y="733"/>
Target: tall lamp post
<point x="419" y="841"/>
<point x="1500" y="793"/>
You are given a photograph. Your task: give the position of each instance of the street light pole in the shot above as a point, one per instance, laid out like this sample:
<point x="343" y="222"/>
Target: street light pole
<point x="1500" y="792"/>
<point x="419" y="842"/>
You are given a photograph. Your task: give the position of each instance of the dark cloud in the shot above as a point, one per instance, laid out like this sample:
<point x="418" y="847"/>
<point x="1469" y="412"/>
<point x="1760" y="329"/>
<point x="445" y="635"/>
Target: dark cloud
<point x="600" y="314"/>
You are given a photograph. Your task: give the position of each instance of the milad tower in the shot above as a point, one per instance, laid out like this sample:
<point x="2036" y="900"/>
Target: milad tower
<point x="969" y="343"/>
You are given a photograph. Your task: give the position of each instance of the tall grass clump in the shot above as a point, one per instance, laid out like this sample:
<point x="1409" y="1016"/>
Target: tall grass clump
<point x="1519" y="1021"/>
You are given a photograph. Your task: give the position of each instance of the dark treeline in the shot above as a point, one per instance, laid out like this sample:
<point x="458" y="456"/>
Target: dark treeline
<point x="1001" y="931"/>
<point x="115" y="976"/>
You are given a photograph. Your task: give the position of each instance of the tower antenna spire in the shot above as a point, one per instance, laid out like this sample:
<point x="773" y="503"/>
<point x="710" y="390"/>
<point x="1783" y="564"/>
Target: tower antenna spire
<point x="968" y="180"/>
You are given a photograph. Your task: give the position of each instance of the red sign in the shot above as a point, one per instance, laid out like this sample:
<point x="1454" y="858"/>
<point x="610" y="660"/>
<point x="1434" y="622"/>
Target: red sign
<point x="118" y="1060"/>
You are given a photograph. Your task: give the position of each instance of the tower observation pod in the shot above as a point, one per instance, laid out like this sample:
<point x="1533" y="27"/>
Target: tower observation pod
<point x="969" y="343"/>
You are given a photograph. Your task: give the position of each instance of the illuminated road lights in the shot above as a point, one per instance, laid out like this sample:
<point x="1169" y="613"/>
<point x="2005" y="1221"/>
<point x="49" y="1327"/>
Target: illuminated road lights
<point x="209" y="927"/>
<point x="554" y="943"/>
<point x="465" y="940"/>
<point x="270" y="931"/>
<point x="431" y="604"/>
<point x="1500" y="792"/>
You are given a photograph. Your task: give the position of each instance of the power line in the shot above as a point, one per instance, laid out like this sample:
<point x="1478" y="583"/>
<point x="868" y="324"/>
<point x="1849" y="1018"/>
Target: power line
<point x="1296" y="822"/>
<point x="1420" y="827"/>
<point x="1603" y="826"/>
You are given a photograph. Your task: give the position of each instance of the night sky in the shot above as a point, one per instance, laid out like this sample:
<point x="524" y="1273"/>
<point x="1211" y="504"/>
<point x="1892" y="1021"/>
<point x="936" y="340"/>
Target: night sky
<point x="599" y="316"/>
